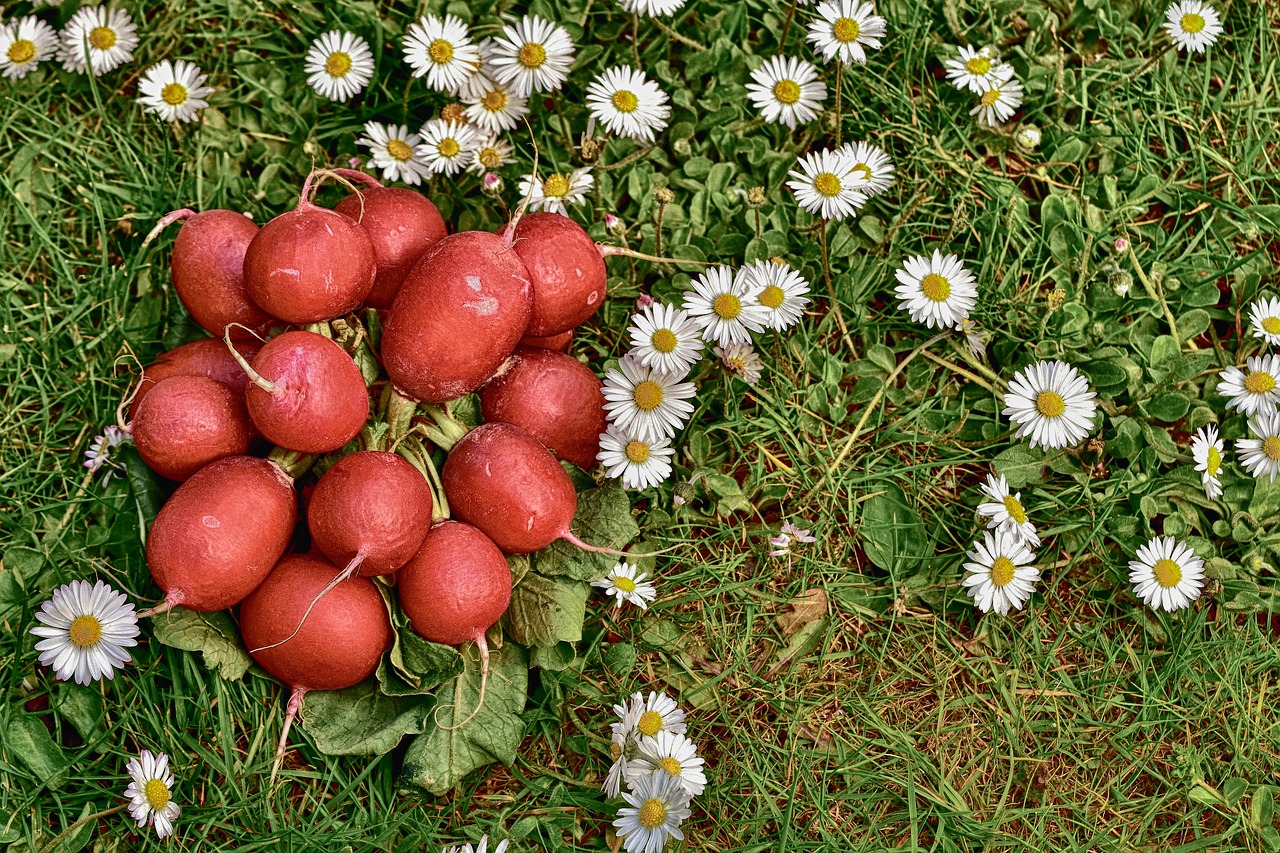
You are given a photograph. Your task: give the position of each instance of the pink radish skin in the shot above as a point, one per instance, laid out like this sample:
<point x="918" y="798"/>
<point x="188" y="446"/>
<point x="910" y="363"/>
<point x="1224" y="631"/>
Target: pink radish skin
<point x="566" y="268"/>
<point x="403" y="225"/>
<point x="206" y="357"/>
<point x="309" y="395"/>
<point x="461" y="311"/>
<point x="208" y="270"/>
<point x="555" y="343"/>
<point x="186" y="422"/>
<point x="553" y="397"/>
<point x="457" y="585"/>
<point x="220" y="533"/>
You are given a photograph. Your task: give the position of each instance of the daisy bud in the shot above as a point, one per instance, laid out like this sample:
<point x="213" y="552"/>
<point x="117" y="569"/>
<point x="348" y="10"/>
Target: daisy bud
<point x="1120" y="282"/>
<point x="683" y="494"/>
<point x="643" y="301"/>
<point x="664" y="195"/>
<point x="1028" y="137"/>
<point x="353" y="163"/>
<point x="1057" y="299"/>
<point x="492" y="183"/>
<point x="1122" y="244"/>
<point x="755" y="198"/>
<point x="612" y="223"/>
<point x="589" y="150"/>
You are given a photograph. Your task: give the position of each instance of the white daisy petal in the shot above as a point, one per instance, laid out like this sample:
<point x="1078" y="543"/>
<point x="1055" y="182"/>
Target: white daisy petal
<point x="872" y="164"/>
<point x="779" y="289"/>
<point x="937" y="291"/>
<point x="1264" y="320"/>
<point x="651" y="8"/>
<point x="491" y="152"/>
<point x="97" y="40"/>
<point x="1207" y="450"/>
<point x="533" y="55"/>
<point x="339" y="65"/>
<point x="742" y="361"/>
<point x="1167" y="575"/>
<point x="556" y="191"/>
<point x="646" y="403"/>
<point x="724" y="304"/>
<point x="441" y="50"/>
<point x="397" y="152"/>
<point x="491" y="106"/>
<point x="656" y="806"/>
<point x="24" y="44"/>
<point x="787" y="91"/>
<point x="669" y="753"/>
<point x="665" y="338"/>
<point x="639" y="462"/>
<point x="1000" y="577"/>
<point x="628" y="103"/>
<point x="1255" y="389"/>
<point x="84" y="630"/>
<point x="1051" y="402"/>
<point x="975" y="70"/>
<point x="1192" y="24"/>
<point x="826" y="185"/>
<point x="844" y="28"/>
<point x="625" y="583"/>
<point x="1260" y="456"/>
<point x="448" y="146"/>
<point x="174" y="91"/>
<point x="1006" y="511"/>
<point x="150" y="793"/>
<point x="999" y="99"/>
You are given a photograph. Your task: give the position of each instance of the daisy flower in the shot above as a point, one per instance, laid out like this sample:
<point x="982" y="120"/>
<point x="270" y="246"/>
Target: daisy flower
<point x="999" y="100"/>
<point x="1253" y="391"/>
<point x="482" y="847"/>
<point x="638" y="462"/>
<point x="669" y="753"/>
<point x="742" y="361"/>
<point x="97" y="40"/>
<point x="651" y="8"/>
<point x="936" y="291"/>
<point x="441" y="50"/>
<point x="975" y="70"/>
<point x="491" y="106"/>
<point x="871" y="164"/>
<point x="339" y="65"/>
<point x="1206" y="450"/>
<point x="628" y="103"/>
<point x="658" y="713"/>
<point x="647" y="403"/>
<point x="84" y="631"/>
<point x="24" y="44"/>
<point x="1006" y="511"/>
<point x="786" y="90"/>
<point x="625" y="583"/>
<point x="780" y="290"/>
<point x="1167" y="574"/>
<point x="174" y="91"/>
<point x="447" y="146"/>
<point x="1051" y="402"/>
<point x="825" y="184"/>
<point x="723" y="304"/>
<point x="657" y="805"/>
<point x="150" y="792"/>
<point x="1192" y="25"/>
<point x="665" y="338"/>
<point x="396" y="151"/>
<point x="1264" y="319"/>
<point x="99" y="452"/>
<point x="533" y="55"/>
<point x="788" y="534"/>
<point x="618" y="770"/>
<point x="1261" y="456"/>
<point x="557" y="190"/>
<point x="491" y="152"/>
<point x="843" y="28"/>
<point x="1001" y="577"/>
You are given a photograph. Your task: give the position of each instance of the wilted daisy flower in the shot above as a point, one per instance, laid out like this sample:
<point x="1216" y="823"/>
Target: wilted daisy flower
<point x="339" y="65"/>
<point x="826" y="185"/>
<point x="396" y="151"/>
<point x="638" y="462"/>
<point x="1192" y="25"/>
<point x="1006" y="511"/>
<point x="871" y="164"/>
<point x="150" y="792"/>
<point x="447" y="146"/>
<point x="1261" y="456"/>
<point x="1028" y="137"/>
<point x="1051" y="402"/>
<point x="1206" y="450"/>
<point x="780" y="290"/>
<point x="557" y="190"/>
<point x="974" y="70"/>
<point x="97" y="39"/>
<point x="491" y="152"/>
<point x="85" y="630"/>
<point x="999" y="100"/>
<point x="669" y="753"/>
<point x="625" y="583"/>
<point x="99" y="452"/>
<point x="658" y="804"/>
<point x="651" y="8"/>
<point x="666" y="338"/>
<point x="1264" y="319"/>
<point x="843" y="28"/>
<point x="936" y="291"/>
<point x="647" y="403"/>
<point x="491" y="106"/>
<point x="441" y="50"/>
<point x="742" y="361"/>
<point x="618" y="747"/>
<point x="174" y="91"/>
<point x="24" y="44"/>
<point x="790" y="533"/>
<point x="723" y="304"/>
<point x="1001" y="576"/>
<point x="1167" y="574"/>
<point x="1255" y="390"/>
<point x="787" y="91"/>
<point x="628" y="103"/>
<point x="533" y="55"/>
<point x="482" y="847"/>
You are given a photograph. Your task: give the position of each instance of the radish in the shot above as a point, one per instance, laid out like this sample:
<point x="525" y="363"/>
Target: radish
<point x="219" y="535"/>
<point x="553" y="397"/>
<point x="305" y="393"/>
<point x="208" y="268"/>
<point x="208" y="357"/>
<point x="339" y="646"/>
<point x="186" y="422"/>
<point x="557" y="343"/>
<point x="460" y="312"/>
<point x="311" y="264"/>
<point x="402" y="224"/>
<point x="566" y="268"/>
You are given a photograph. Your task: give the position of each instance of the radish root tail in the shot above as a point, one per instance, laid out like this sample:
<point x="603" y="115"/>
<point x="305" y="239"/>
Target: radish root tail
<point x="167" y="220"/>
<point x="290" y="714"/>
<point x="509" y="238"/>
<point x="254" y="376"/>
<point x="596" y="549"/>
<point x="171" y="601"/>
<point x="483" y="645"/>
<point x="611" y="251"/>
<point x="348" y="572"/>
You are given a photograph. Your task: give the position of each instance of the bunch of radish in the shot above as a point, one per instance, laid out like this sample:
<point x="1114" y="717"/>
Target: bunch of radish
<point x="340" y="338"/>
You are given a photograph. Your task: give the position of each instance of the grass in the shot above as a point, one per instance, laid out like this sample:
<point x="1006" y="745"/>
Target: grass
<point x="902" y="720"/>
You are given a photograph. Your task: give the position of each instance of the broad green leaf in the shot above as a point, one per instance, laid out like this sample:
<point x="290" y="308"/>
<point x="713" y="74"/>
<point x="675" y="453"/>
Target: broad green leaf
<point x="361" y="720"/>
<point x="893" y="536"/>
<point x="81" y="706"/>
<point x="1262" y="806"/>
<point x="1168" y="407"/>
<point x="213" y="634"/>
<point x="1020" y="465"/>
<point x="603" y="519"/>
<point x="546" y="611"/>
<point x="413" y="666"/>
<point x="28" y="741"/>
<point x="1234" y="791"/>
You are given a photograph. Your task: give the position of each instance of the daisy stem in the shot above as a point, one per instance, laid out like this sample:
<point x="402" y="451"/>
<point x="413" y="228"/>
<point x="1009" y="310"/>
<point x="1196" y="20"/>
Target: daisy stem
<point x="675" y="35"/>
<point x="57" y="840"/>
<point x="786" y="27"/>
<point x="1155" y="293"/>
<point x="955" y="368"/>
<point x="839" y="89"/>
<point x="976" y="364"/>
<point x="635" y="37"/>
<point x="831" y="291"/>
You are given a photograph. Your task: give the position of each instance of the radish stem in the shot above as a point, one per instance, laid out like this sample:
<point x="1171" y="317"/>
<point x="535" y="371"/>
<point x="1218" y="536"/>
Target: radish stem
<point x="612" y="251"/>
<point x="254" y="377"/>
<point x="291" y="713"/>
<point x="167" y="220"/>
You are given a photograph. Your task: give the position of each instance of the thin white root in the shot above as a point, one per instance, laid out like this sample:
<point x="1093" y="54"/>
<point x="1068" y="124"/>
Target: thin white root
<point x="483" y="645"/>
<point x="347" y="572"/>
<point x="291" y="713"/>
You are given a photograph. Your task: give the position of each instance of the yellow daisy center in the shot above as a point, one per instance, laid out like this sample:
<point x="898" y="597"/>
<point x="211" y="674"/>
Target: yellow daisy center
<point x="157" y="793"/>
<point x="555" y="186"/>
<point x="827" y="184"/>
<point x="935" y="287"/>
<point x="990" y="97"/>
<point x="625" y="101"/>
<point x="1050" y="404"/>
<point x="846" y="30"/>
<point x="727" y="306"/>
<point x="637" y="452"/>
<point x="1192" y="23"/>
<point x="1271" y="325"/>
<point x="1271" y="447"/>
<point x="22" y="51"/>
<point x="85" y="631"/>
<point x="1014" y="507"/>
<point x="338" y="64"/>
<point x="399" y="149"/>
<point x="1213" y="463"/>
<point x="1002" y="571"/>
<point x="648" y="395"/>
<point x="174" y="94"/>
<point x="532" y="55"/>
<point x="664" y="340"/>
<point x="495" y="101"/>
<point x="772" y="296"/>
<point x="1168" y="573"/>
<point x="653" y="813"/>
<point x="449" y="147"/>
<point x="978" y="66"/>
<point x="670" y="765"/>
<point x="625" y="584"/>
<point x="440" y="52"/>
<point x="863" y="169"/>
<point x="786" y="91"/>
<point x="649" y="724"/>
<point x="1259" y="382"/>
<point x="102" y="38"/>
<point x="490" y="158"/>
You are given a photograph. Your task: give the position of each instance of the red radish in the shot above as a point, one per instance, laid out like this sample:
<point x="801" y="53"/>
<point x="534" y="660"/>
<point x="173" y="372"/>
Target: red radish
<point x="402" y="224"/>
<point x="566" y="268"/>
<point x="309" y="265"/>
<point x="461" y="311"/>
<point x="219" y="535"/>
<point x="208" y="269"/>
<point x="186" y="422"/>
<point x="557" y="343"/>
<point x="208" y="357"/>
<point x="553" y="397"/>
<point x="305" y="393"/>
<point x="339" y="646"/>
